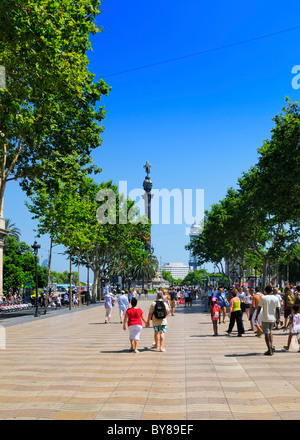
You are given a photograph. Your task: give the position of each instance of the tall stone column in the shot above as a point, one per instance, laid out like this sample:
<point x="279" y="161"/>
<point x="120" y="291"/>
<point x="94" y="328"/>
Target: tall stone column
<point x="147" y="184"/>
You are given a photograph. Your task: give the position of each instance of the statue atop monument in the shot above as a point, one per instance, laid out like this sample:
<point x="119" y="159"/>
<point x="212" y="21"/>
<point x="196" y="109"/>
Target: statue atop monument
<point x="147" y="168"/>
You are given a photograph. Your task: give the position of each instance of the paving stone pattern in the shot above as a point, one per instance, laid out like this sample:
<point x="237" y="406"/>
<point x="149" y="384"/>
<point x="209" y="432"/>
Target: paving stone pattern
<point x="71" y="366"/>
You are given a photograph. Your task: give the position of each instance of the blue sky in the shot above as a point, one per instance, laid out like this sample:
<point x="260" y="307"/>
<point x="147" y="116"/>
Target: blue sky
<point x="198" y="120"/>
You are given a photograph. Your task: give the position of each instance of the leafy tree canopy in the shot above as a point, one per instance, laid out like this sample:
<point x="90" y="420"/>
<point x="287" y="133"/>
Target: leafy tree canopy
<point x="49" y="113"/>
<point x="19" y="266"/>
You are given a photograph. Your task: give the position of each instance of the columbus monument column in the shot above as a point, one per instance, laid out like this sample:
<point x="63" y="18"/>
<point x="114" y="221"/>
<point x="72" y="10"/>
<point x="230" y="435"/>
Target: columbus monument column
<point x="147" y="185"/>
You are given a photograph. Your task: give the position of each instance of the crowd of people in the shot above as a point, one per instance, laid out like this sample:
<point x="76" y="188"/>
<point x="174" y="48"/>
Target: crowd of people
<point x="265" y="311"/>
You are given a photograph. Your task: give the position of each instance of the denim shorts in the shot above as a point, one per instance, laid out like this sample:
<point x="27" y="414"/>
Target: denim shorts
<point x="160" y="328"/>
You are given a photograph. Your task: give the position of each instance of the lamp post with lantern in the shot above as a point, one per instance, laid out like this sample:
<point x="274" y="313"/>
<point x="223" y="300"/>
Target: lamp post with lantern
<point x="36" y="248"/>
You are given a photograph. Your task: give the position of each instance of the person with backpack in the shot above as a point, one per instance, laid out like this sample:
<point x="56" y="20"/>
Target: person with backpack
<point x="158" y="313"/>
<point x="215" y="311"/>
<point x="288" y="302"/>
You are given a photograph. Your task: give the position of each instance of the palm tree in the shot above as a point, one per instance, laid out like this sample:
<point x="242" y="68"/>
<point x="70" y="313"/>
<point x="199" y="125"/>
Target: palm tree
<point x="13" y="230"/>
<point x="146" y="270"/>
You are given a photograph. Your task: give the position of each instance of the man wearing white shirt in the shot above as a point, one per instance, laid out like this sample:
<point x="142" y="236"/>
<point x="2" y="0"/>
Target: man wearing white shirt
<point x="270" y="312"/>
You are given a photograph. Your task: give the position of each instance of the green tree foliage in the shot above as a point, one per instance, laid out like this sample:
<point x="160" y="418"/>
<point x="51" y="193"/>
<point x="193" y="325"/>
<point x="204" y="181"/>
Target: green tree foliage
<point x="63" y="277"/>
<point x="166" y="275"/>
<point x="278" y="186"/>
<point x="19" y="266"/>
<point x="12" y="228"/>
<point x="257" y="224"/>
<point x="49" y="113"/>
<point x="198" y="277"/>
<point x="145" y="269"/>
<point x="69" y="215"/>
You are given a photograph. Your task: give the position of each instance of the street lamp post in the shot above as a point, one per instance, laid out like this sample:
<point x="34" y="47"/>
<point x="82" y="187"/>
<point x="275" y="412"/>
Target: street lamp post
<point x="36" y="248"/>
<point x="88" y="284"/>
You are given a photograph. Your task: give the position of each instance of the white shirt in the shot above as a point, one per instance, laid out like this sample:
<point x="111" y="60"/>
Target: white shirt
<point x="269" y="304"/>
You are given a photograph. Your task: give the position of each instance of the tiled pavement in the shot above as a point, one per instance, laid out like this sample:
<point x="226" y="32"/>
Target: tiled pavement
<point x="70" y="365"/>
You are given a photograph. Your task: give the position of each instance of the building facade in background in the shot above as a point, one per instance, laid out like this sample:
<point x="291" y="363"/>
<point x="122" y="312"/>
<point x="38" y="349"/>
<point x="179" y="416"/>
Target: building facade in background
<point x="177" y="270"/>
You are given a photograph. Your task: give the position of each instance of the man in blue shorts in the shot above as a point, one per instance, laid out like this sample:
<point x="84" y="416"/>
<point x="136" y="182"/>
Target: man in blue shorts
<point x="159" y="324"/>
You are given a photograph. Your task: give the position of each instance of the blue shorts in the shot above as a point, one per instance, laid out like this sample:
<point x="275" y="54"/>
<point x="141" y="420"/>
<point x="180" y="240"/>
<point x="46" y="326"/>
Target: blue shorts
<point x="160" y="328"/>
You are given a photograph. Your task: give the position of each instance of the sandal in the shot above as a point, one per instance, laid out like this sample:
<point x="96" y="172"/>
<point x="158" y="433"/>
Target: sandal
<point x="286" y="348"/>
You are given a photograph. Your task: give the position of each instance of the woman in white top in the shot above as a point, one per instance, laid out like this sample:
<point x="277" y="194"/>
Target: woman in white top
<point x="247" y="301"/>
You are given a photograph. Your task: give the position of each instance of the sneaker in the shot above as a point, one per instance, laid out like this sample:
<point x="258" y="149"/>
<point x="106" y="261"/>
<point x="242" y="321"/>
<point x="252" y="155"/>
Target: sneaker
<point x="268" y="353"/>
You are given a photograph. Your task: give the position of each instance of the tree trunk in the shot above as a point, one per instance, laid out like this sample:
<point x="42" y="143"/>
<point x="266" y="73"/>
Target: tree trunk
<point x="70" y="290"/>
<point x="99" y="286"/>
<point x="48" y="277"/>
<point x="95" y="285"/>
<point x="78" y="286"/>
<point x="264" y="273"/>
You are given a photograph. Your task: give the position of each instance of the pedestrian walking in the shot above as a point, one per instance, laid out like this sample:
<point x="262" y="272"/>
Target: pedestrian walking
<point x="215" y="312"/>
<point x="242" y="295"/>
<point x="222" y="302"/>
<point x="235" y="314"/>
<point x="186" y="298"/>
<point x="278" y="321"/>
<point x="297" y="295"/>
<point x="256" y="317"/>
<point x="166" y="297"/>
<point x="270" y="307"/>
<point x="109" y="304"/>
<point x="173" y="300"/>
<point x="294" y="326"/>
<point x="134" y="319"/>
<point x="250" y="309"/>
<point x="123" y="305"/>
<point x="191" y="296"/>
<point x="178" y="297"/>
<point x="288" y="302"/>
<point x="158" y="313"/>
<point x="205" y="296"/>
<point x="58" y="301"/>
<point x="247" y="302"/>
